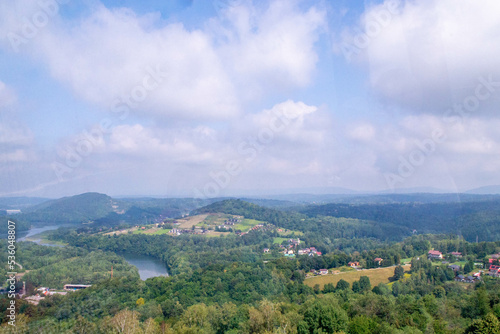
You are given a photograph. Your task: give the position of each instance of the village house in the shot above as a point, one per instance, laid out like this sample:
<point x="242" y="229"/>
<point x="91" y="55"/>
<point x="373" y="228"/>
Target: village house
<point x="353" y="264"/>
<point x="378" y="260"/>
<point x="456" y="254"/>
<point x="309" y="251"/>
<point x="471" y="279"/>
<point x="303" y="251"/>
<point x="434" y="254"/>
<point x="454" y="267"/>
<point x="289" y="253"/>
<point x="266" y="250"/>
<point x="494" y="271"/>
<point x="323" y="271"/>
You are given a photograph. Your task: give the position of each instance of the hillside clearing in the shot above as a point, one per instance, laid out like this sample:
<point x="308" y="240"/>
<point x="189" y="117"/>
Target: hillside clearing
<point x="377" y="275"/>
<point x="188" y="222"/>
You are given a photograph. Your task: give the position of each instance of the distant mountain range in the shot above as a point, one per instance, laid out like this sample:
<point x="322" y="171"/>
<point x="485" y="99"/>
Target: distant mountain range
<point x="485" y="190"/>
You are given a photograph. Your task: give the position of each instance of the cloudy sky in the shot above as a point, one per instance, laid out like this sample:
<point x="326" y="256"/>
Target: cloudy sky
<point x="210" y="98"/>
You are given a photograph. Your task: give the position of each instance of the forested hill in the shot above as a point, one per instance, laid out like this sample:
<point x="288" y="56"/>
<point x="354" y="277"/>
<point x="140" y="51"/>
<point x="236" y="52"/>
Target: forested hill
<point x="317" y="227"/>
<point x="470" y="219"/>
<point x="104" y="210"/>
<point x="75" y="209"/>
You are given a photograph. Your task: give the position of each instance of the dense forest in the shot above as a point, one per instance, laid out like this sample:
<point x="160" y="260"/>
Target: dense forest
<point x="475" y="219"/>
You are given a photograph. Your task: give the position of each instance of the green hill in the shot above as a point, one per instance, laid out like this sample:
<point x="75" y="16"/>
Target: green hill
<point x="331" y="227"/>
<point x="74" y="209"/>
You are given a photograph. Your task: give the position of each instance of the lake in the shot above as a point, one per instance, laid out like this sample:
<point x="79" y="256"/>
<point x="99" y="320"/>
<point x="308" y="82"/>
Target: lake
<point x="148" y="266"/>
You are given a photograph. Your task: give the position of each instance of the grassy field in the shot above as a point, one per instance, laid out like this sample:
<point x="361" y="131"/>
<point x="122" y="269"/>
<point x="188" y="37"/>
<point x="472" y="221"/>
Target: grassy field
<point x="379" y="275"/>
<point x="247" y="224"/>
<point x="216" y="219"/>
<point x="279" y="240"/>
<point x="188" y="222"/>
<point x="287" y="233"/>
<point x="458" y="263"/>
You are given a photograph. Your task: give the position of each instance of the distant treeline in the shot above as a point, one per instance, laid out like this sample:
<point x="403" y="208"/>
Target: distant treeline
<point x="472" y="220"/>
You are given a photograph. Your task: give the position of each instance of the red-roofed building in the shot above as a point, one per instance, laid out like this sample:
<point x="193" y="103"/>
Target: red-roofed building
<point x="434" y="254"/>
<point x="494" y="271"/>
<point x="378" y="260"/>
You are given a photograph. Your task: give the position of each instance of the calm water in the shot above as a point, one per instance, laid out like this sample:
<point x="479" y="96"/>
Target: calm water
<point x="148" y="266"/>
<point x="22" y="236"/>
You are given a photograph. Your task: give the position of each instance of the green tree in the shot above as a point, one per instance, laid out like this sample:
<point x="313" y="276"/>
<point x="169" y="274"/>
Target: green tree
<point x="342" y="285"/>
<point x="323" y="316"/>
<point x="399" y="272"/>
<point x="362" y="325"/>
<point x="487" y="325"/>
<point x="328" y="288"/>
<point x="439" y="292"/>
<point x="364" y="284"/>
<point x="381" y="289"/>
<point x="468" y="267"/>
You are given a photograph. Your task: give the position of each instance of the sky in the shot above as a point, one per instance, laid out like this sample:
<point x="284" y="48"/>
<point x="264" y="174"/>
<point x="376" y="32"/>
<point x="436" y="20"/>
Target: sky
<point x="202" y="98"/>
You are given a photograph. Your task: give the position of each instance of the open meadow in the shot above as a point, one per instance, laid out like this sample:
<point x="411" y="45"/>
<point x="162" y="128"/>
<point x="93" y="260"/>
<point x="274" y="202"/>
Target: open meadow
<point x="377" y="275"/>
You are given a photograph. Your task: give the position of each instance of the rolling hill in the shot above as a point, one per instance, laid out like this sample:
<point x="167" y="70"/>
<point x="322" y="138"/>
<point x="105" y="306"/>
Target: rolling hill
<point x="74" y="209"/>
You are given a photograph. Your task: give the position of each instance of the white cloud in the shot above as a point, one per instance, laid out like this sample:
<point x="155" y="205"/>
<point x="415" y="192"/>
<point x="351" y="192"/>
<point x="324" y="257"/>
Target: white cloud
<point x="431" y="54"/>
<point x="182" y="145"/>
<point x="16" y="140"/>
<point x="363" y="132"/>
<point x="440" y="154"/>
<point x="111" y="52"/>
<point x="167" y="71"/>
<point x="289" y="123"/>
<point x="270" y="47"/>
<point x="7" y="96"/>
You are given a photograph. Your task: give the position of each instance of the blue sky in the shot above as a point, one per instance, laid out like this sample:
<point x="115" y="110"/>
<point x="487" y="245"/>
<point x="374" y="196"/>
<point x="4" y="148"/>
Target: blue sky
<point x="229" y="97"/>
